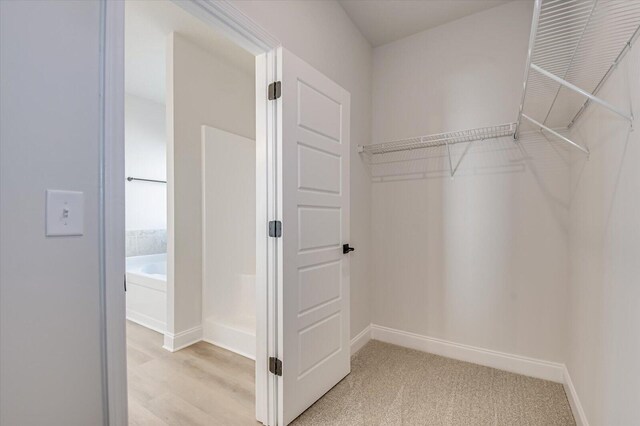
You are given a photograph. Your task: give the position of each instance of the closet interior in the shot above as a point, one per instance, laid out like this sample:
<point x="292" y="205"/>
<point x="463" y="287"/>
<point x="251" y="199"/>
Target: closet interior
<point x="574" y="47"/>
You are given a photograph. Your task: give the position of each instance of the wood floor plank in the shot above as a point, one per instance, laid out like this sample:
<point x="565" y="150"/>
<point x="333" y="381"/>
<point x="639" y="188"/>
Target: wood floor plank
<point x="201" y="384"/>
<point x="139" y="415"/>
<point x="198" y="390"/>
<point x="174" y="411"/>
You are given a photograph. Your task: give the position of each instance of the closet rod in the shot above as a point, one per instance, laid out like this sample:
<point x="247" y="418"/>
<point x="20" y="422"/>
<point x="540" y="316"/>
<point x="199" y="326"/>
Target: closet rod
<point x="130" y="179"/>
<point x="613" y="66"/>
<point x="581" y="91"/>
<point x="556" y="134"/>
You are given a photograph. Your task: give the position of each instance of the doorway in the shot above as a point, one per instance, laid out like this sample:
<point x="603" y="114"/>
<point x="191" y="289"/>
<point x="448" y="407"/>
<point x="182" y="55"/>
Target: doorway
<point x="190" y="221"/>
<point x="302" y="224"/>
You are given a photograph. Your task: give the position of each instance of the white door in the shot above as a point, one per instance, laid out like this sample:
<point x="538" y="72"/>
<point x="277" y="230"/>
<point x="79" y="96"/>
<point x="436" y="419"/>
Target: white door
<point x="314" y="284"/>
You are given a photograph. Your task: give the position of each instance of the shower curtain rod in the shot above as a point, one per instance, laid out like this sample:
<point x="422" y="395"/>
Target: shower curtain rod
<point x="130" y="178"/>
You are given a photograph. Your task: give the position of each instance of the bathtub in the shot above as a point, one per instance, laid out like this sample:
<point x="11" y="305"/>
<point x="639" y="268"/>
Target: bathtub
<point x="147" y="291"/>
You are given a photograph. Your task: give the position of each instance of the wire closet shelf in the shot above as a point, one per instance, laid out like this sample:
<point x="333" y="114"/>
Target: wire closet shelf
<point x="574" y="47"/>
<point x="438" y="140"/>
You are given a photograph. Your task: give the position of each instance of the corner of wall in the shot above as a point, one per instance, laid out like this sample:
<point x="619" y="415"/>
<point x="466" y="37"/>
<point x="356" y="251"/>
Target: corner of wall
<point x="175" y="342"/>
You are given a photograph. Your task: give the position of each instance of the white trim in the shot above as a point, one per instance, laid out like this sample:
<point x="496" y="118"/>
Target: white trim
<point x="262" y="247"/>
<point x="267" y="269"/>
<point x="146" y="321"/>
<point x="224" y="16"/>
<point x="236" y="340"/>
<point x="361" y="339"/>
<point x="576" y="407"/>
<point x="546" y="370"/>
<point x="532" y="367"/>
<point x="175" y="342"/>
<point x="113" y="253"/>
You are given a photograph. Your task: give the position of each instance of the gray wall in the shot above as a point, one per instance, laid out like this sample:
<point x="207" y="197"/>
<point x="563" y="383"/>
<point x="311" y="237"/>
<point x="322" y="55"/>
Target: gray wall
<point x="50" y="351"/>
<point x="468" y="252"/>
<point x="49" y="290"/>
<point x="604" y="290"/>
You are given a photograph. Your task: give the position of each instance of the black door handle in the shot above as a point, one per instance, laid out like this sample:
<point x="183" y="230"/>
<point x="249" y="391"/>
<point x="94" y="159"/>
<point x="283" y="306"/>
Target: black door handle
<point x="346" y="249"/>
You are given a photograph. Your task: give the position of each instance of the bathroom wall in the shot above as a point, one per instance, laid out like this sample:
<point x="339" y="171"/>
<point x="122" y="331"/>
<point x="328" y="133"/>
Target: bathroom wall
<point x="604" y="293"/>
<point x="202" y="89"/>
<point x="50" y="348"/>
<point x="145" y="157"/>
<point x="481" y="259"/>
<point x="229" y="240"/>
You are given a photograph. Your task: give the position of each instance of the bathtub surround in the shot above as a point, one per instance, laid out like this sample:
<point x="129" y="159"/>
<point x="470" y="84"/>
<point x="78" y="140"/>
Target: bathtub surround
<point x="146" y="241"/>
<point x="229" y="240"/>
<point x="147" y="291"/>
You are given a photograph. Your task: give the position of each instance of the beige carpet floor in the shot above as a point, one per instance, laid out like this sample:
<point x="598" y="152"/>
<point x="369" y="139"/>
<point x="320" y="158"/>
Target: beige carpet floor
<point x="390" y="385"/>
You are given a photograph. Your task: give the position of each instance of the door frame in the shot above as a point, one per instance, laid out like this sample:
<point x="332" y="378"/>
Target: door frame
<point x="226" y="18"/>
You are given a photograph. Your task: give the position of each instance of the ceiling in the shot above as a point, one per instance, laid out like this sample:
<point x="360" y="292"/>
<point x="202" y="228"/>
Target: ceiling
<point x="384" y="21"/>
<point x="148" y="24"/>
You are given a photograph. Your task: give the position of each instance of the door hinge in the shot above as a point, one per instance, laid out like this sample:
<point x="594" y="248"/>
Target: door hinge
<point x="274" y="90"/>
<point x="275" y="366"/>
<point x="275" y="229"/>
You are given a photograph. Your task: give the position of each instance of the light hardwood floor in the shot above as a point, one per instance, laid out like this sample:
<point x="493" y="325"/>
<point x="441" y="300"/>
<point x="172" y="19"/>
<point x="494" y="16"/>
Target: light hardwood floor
<point x="199" y="385"/>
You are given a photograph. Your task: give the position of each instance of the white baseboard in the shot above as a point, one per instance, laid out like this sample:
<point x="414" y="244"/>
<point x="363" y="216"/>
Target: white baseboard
<point x="576" y="407"/>
<point x="146" y="321"/>
<point x="537" y="368"/>
<point x="361" y="339"/>
<point x="175" y="342"/>
<point x="233" y="339"/>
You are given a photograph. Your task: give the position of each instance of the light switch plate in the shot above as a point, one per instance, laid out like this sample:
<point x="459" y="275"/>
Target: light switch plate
<point x="65" y="213"/>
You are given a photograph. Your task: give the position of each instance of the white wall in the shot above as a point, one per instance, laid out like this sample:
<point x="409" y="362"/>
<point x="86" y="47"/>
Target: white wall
<point x="604" y="295"/>
<point x="202" y="89"/>
<point x="145" y="157"/>
<point x="229" y="221"/>
<point x="481" y="259"/>
<point x="321" y="33"/>
<point x="49" y="292"/>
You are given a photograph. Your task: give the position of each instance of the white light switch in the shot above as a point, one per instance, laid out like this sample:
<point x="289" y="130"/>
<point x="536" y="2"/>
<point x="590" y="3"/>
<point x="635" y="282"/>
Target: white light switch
<point x="65" y="213"/>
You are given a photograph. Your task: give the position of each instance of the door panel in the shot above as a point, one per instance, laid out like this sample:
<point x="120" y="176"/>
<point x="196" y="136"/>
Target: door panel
<point x="319" y="170"/>
<point x="318" y="113"/>
<point x="319" y="227"/>
<point x="319" y="284"/>
<point x="314" y="290"/>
